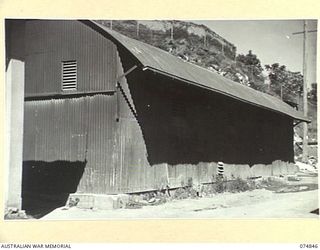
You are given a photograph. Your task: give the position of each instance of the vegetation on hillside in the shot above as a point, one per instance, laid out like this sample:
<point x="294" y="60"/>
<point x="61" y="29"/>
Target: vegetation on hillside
<point x="284" y="83"/>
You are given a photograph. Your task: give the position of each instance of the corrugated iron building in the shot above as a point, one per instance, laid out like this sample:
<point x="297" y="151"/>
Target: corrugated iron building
<point x="108" y="114"/>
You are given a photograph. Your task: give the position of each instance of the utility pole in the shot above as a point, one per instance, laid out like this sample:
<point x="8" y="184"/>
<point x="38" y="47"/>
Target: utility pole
<point x="171" y="35"/>
<point x="111" y="24"/>
<point x="305" y="95"/>
<point x="137" y="28"/>
<point x="305" y="89"/>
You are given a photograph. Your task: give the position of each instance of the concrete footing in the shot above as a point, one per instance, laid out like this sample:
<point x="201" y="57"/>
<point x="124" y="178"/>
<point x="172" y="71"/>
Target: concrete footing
<point x="98" y="201"/>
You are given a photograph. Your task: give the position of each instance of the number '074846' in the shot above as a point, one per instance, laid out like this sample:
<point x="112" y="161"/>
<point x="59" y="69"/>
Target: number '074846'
<point x="308" y="245"/>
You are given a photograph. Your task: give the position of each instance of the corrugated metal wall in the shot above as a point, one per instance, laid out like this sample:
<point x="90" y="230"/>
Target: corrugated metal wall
<point x="55" y="130"/>
<point x="74" y="130"/>
<point x="101" y="169"/>
<point x="49" y="42"/>
<point x="135" y="172"/>
<point x="200" y="173"/>
<point x="86" y="128"/>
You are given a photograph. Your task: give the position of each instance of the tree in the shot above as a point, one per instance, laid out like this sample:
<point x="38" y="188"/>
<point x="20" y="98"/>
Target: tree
<point x="312" y="95"/>
<point x="251" y="66"/>
<point x="251" y="61"/>
<point x="284" y="83"/>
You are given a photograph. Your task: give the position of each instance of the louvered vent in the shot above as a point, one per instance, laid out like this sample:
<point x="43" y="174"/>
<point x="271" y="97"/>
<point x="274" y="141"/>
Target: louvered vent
<point x="69" y="75"/>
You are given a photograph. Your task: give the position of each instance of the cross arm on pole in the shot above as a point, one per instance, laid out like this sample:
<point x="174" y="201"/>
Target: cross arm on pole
<point x="301" y="32"/>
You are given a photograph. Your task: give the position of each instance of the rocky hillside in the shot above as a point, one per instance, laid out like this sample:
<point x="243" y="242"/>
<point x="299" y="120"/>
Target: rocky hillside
<point x="191" y="42"/>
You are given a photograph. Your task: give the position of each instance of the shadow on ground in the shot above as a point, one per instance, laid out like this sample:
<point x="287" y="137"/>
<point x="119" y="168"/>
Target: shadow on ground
<point x="316" y="211"/>
<point x="47" y="185"/>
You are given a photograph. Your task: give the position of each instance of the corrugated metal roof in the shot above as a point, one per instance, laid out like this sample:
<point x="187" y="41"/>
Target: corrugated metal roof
<point x="163" y="62"/>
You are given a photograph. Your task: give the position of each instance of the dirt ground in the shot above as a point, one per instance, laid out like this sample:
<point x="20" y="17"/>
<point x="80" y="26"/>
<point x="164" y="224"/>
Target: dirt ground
<point x="296" y="202"/>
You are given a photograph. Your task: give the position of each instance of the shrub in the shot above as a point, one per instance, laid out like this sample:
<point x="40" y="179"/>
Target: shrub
<point x="220" y="185"/>
<point x="180" y="193"/>
<point x="238" y="185"/>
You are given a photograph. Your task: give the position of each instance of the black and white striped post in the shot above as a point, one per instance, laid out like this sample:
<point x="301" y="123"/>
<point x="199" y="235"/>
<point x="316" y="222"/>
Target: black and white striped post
<point x="220" y="169"/>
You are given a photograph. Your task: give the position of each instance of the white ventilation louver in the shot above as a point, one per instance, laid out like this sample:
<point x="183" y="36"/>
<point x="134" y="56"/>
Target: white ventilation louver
<point x="69" y="75"/>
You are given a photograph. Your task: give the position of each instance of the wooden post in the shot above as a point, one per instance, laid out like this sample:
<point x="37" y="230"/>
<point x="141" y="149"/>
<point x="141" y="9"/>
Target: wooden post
<point x="138" y="28"/>
<point x="305" y="97"/>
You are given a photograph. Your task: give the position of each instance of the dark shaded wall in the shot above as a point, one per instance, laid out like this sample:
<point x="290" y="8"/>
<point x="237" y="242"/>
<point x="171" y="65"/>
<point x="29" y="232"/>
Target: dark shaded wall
<point x="182" y="123"/>
<point x="47" y="185"/>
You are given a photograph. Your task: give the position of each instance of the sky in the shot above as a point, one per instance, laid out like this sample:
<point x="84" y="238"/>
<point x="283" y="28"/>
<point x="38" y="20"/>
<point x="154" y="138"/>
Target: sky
<point x="271" y="40"/>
